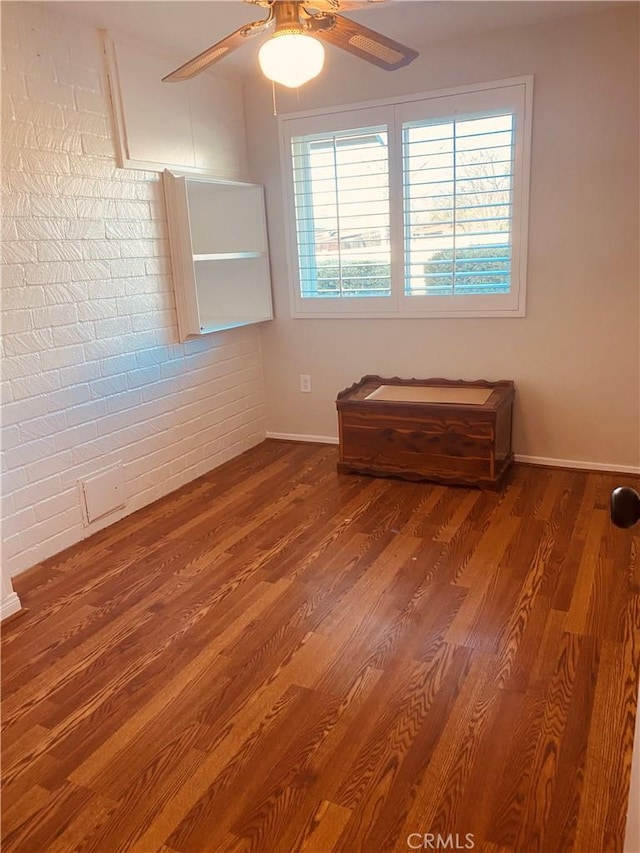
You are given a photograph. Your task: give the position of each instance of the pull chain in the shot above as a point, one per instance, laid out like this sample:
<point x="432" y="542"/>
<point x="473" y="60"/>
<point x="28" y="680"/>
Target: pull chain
<point x="273" y="93"/>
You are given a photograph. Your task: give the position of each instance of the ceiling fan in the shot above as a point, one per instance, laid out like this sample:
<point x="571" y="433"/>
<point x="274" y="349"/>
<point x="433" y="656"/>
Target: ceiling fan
<point x="294" y="54"/>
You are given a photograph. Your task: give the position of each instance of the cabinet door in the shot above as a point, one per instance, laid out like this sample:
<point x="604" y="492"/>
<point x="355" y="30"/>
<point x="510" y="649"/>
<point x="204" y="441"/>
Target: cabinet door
<point x="219" y="253"/>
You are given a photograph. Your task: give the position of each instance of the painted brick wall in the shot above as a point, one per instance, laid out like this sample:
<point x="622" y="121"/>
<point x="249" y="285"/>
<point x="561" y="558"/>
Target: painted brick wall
<point x="93" y="373"/>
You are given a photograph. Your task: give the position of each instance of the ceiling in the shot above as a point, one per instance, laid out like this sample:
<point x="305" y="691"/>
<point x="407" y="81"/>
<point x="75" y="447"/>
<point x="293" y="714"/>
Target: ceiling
<point x="183" y="28"/>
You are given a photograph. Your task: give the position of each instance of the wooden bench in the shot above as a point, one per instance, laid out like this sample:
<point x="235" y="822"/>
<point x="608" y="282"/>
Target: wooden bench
<point x="448" y="431"/>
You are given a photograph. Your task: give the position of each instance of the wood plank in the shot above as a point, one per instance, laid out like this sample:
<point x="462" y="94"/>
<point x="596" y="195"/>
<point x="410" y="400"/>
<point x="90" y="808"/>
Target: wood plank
<point x="324" y="830"/>
<point x="278" y="658"/>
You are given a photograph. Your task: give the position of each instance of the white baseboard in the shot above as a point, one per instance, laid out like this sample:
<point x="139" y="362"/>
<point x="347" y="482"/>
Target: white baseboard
<point x="9" y="606"/>
<point x="529" y="460"/>
<point x="611" y="467"/>
<point x="292" y="436"/>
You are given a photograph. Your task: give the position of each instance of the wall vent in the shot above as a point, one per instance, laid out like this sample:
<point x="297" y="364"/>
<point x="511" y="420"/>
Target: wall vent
<point x="102" y="494"/>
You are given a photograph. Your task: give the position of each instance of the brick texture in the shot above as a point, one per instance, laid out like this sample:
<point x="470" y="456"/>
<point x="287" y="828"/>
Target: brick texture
<point x="94" y="373"/>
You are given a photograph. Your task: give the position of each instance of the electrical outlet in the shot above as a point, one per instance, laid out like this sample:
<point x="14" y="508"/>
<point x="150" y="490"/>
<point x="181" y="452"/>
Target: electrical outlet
<point x="305" y="383"/>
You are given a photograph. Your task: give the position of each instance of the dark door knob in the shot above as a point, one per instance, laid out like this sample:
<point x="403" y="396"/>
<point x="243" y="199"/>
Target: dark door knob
<point x="625" y="507"/>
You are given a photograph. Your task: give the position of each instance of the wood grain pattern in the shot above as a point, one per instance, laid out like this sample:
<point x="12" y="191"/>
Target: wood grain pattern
<point x="280" y="659"/>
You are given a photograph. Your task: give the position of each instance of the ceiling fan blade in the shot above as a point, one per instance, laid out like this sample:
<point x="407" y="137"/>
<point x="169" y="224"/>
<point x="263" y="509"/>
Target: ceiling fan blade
<point x="361" y="41"/>
<point x="323" y="5"/>
<point x="218" y="51"/>
<point x="336" y="5"/>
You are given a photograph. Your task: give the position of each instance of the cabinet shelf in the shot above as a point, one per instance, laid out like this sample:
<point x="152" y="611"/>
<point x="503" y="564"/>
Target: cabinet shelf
<point x="219" y="254"/>
<point x="228" y="256"/>
<point x="219" y="324"/>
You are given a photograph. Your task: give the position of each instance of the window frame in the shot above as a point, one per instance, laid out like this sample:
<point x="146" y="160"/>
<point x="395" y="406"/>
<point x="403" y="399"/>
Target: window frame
<point x="513" y="95"/>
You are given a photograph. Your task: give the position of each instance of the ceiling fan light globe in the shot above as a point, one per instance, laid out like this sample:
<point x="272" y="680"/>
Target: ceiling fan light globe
<point x="291" y="59"/>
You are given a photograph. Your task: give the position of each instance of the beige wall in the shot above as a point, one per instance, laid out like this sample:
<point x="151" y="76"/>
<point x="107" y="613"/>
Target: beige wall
<point x="575" y="357"/>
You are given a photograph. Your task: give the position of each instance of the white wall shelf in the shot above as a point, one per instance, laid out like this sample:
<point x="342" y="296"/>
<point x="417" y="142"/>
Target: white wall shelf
<point x="220" y="323"/>
<point x="219" y="253"/>
<point x="228" y="256"/>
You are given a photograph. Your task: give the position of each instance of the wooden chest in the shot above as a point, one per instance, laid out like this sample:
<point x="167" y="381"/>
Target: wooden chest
<point x="427" y="429"/>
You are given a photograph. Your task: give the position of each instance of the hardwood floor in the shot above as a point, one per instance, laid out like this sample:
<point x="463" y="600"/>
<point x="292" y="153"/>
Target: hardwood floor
<point x="281" y="658"/>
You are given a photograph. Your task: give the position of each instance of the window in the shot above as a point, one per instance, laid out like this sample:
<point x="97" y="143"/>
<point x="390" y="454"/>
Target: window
<point x="341" y="187"/>
<point x="458" y="201"/>
<point x="412" y="208"/>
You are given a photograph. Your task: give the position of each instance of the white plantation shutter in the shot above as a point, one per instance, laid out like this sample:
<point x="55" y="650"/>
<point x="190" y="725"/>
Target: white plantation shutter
<point x="416" y="207"/>
<point x="458" y="208"/>
<point x="341" y="192"/>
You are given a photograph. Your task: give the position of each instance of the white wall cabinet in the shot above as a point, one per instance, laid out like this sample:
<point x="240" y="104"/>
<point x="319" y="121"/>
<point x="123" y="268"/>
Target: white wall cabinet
<point x="219" y="253"/>
<point x="197" y="126"/>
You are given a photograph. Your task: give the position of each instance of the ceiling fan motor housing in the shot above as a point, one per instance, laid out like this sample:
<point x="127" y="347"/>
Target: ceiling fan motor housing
<point x="287" y="15"/>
